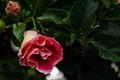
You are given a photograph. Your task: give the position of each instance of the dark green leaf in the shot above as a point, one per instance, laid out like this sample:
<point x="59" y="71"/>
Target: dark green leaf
<point x="33" y="3"/>
<point x="107" y="39"/>
<point x="54" y="15"/>
<point x="64" y="4"/>
<point x="83" y="14"/>
<point x="18" y="30"/>
<point x="108" y="46"/>
<point x="70" y="41"/>
<point x="110" y="29"/>
<point x="106" y="3"/>
<point x="114" y="14"/>
<point x="40" y="4"/>
<point x="47" y="3"/>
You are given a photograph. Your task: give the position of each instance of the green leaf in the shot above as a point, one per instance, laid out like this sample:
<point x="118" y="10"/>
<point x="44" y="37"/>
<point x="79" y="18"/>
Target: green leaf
<point x="110" y="28"/>
<point x="18" y="30"/>
<point x="64" y="4"/>
<point x="47" y="3"/>
<point x="41" y="4"/>
<point x="106" y="3"/>
<point x="54" y="15"/>
<point x="70" y="41"/>
<point x="2" y="24"/>
<point x="107" y="39"/>
<point x="114" y="14"/>
<point x="33" y="3"/>
<point x="108" y="47"/>
<point x="83" y="15"/>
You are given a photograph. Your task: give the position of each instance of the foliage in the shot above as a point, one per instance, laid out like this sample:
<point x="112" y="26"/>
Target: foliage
<point x="78" y="25"/>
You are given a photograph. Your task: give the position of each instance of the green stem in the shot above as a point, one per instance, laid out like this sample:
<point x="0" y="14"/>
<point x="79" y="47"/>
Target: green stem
<point x="41" y="27"/>
<point x="48" y="5"/>
<point x="34" y="24"/>
<point x="34" y="11"/>
<point x="51" y="3"/>
<point x="4" y="17"/>
<point x="8" y="26"/>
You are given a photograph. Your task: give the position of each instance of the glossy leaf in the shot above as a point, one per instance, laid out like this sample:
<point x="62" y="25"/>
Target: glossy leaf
<point x="18" y="30"/>
<point x="54" y="15"/>
<point x="108" y="47"/>
<point x="111" y="28"/>
<point x="83" y="14"/>
<point x="70" y="41"/>
<point x="107" y="39"/>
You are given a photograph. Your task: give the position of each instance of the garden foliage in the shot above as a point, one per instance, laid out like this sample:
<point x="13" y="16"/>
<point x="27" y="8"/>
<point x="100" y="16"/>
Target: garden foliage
<point x="78" y="25"/>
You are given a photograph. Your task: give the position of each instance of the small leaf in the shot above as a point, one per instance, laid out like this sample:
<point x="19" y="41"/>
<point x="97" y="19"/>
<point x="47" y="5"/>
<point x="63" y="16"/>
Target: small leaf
<point x="73" y="37"/>
<point x="71" y="40"/>
<point x="66" y="20"/>
<point x="54" y="15"/>
<point x="2" y="24"/>
<point x="106" y="3"/>
<point x="18" y="30"/>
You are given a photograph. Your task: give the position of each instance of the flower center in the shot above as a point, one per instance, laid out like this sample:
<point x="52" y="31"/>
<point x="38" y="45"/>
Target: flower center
<point x="45" y="53"/>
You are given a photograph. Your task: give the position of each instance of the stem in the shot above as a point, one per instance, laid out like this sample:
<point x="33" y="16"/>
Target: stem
<point x="41" y="27"/>
<point x="48" y="5"/>
<point x="8" y="26"/>
<point x="34" y="24"/>
<point x="4" y="17"/>
<point x="34" y="11"/>
<point x="51" y="3"/>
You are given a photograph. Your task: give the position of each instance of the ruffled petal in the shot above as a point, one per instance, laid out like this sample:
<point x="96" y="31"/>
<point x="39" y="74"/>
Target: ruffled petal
<point x="56" y="50"/>
<point x="29" y="35"/>
<point x="45" y="53"/>
<point x="44" y="67"/>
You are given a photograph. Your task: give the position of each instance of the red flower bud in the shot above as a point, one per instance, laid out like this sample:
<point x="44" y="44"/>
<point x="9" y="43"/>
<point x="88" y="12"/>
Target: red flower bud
<point x="12" y="8"/>
<point x="118" y="1"/>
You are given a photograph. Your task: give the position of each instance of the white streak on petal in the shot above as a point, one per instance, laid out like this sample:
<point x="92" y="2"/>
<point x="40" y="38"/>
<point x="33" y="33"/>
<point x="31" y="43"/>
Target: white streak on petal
<point x="28" y="35"/>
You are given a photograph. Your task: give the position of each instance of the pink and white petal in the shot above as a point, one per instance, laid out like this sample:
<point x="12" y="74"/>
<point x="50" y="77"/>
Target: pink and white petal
<point x="44" y="67"/>
<point x="29" y="35"/>
<point x="56" y="50"/>
<point x="54" y="59"/>
<point x="23" y="62"/>
<point x="39" y="40"/>
<point x="32" y="51"/>
<point x="45" y="53"/>
<point x="53" y="44"/>
<point x="24" y="49"/>
<point x="31" y="63"/>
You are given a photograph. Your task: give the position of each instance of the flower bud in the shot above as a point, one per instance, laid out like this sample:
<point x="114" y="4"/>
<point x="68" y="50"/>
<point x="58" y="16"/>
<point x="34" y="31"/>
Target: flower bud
<point x="12" y="8"/>
<point x="118" y="1"/>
